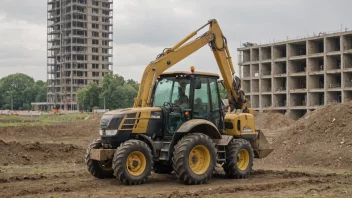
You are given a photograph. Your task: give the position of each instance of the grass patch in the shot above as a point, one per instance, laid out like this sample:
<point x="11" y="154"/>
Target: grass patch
<point x="8" y="121"/>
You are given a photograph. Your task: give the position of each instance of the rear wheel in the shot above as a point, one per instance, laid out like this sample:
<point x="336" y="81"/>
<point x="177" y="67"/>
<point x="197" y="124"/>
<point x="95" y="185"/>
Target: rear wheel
<point x="239" y="159"/>
<point x="194" y="159"/>
<point x="133" y="162"/>
<point x="99" y="169"/>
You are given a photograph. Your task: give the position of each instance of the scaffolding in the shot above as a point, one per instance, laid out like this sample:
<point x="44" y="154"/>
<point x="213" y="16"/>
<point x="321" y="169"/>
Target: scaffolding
<point x="70" y="48"/>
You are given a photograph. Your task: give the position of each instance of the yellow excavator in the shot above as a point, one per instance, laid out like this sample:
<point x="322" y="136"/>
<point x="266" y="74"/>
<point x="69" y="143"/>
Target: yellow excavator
<point x="178" y="123"/>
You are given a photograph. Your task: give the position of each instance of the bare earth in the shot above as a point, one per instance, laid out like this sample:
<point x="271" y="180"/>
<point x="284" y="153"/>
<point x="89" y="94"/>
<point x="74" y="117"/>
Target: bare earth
<point x="49" y="162"/>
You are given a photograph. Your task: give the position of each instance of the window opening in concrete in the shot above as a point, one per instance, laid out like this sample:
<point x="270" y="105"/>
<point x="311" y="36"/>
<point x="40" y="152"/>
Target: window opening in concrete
<point x="246" y="71"/>
<point x="297" y="113"/>
<point x="298" y="82"/>
<point x="255" y="101"/>
<point x="249" y="99"/>
<point x="298" y="99"/>
<point x="280" y="68"/>
<point x="333" y="62"/>
<point x="266" y="53"/>
<point x="255" y="85"/>
<point x="265" y="85"/>
<point x="333" y="44"/>
<point x="347" y="61"/>
<point x="255" y="70"/>
<point x="246" y="84"/>
<point x="316" y="99"/>
<point x="316" y="46"/>
<point x="255" y="54"/>
<point x="333" y="80"/>
<point x="279" y="84"/>
<point x="280" y="51"/>
<point x="316" y="81"/>
<point x="246" y="55"/>
<point x="333" y="97"/>
<point x="266" y="69"/>
<point x="297" y="66"/>
<point x="298" y="49"/>
<point x="316" y="64"/>
<point x="266" y="101"/>
<point x="347" y="96"/>
<point x="347" y="79"/>
<point x="280" y="100"/>
<point x="347" y="42"/>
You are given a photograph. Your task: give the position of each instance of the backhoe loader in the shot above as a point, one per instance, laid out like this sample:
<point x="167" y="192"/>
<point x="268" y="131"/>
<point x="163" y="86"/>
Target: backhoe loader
<point x="177" y="123"/>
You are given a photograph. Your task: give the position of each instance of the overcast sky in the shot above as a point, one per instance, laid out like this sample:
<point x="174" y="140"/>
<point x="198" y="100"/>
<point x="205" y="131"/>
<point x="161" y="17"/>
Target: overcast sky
<point x="143" y="28"/>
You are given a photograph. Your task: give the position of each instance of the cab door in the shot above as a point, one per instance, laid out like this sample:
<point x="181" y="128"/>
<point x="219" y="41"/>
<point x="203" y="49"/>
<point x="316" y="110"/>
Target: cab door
<point x="215" y="115"/>
<point x="206" y="103"/>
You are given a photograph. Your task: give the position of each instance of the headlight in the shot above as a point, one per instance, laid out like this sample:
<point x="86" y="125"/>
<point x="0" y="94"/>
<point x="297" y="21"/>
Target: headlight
<point x="108" y="132"/>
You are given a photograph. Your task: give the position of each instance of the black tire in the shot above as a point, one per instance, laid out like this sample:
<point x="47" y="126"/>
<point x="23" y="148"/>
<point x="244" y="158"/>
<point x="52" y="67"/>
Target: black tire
<point x="161" y="168"/>
<point x="181" y="163"/>
<point x="231" y="168"/>
<point x="123" y="172"/>
<point x="98" y="169"/>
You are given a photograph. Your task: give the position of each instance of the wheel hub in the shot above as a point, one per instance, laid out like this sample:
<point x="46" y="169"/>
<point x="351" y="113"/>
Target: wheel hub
<point x="199" y="159"/>
<point x="243" y="159"/>
<point x="194" y="159"/>
<point x="136" y="163"/>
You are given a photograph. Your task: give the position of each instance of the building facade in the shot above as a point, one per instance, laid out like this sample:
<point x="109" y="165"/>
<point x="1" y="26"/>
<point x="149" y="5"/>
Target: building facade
<point x="79" y="47"/>
<point x="300" y="75"/>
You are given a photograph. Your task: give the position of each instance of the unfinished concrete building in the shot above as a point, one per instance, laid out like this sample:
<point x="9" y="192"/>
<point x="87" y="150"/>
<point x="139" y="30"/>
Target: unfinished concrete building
<point x="300" y="75"/>
<point x="79" y="49"/>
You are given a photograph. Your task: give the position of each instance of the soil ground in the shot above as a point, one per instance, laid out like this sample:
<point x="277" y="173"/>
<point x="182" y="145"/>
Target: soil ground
<point x="48" y="161"/>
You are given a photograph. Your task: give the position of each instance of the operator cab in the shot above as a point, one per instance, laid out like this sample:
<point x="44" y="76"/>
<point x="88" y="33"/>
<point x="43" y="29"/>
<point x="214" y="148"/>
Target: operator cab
<point x="188" y="95"/>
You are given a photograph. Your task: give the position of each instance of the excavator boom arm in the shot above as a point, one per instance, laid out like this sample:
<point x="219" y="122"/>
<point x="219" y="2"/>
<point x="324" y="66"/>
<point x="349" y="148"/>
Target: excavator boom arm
<point x="181" y="50"/>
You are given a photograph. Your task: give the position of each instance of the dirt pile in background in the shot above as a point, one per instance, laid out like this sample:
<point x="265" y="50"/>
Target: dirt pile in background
<point x="12" y="153"/>
<point x="272" y="124"/>
<point x="321" y="138"/>
<point x="271" y="121"/>
<point x="78" y="133"/>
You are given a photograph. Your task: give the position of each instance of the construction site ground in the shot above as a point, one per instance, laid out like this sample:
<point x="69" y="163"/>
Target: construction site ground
<point x="48" y="161"/>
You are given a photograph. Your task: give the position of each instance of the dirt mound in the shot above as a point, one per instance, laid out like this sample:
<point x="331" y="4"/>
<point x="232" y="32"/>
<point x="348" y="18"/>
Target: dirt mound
<point x="36" y="153"/>
<point x="77" y="133"/>
<point x="321" y="138"/>
<point x="271" y="121"/>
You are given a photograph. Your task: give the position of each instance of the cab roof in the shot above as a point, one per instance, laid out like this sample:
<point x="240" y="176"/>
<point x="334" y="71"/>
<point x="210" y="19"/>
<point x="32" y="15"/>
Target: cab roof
<point x="189" y="73"/>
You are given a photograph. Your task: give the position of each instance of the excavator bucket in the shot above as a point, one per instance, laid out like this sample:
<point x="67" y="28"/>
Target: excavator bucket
<point x="261" y="146"/>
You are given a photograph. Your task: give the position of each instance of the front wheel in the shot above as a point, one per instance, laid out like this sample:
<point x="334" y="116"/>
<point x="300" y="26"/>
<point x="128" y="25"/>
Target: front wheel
<point x="99" y="169"/>
<point x="133" y="162"/>
<point x="194" y="159"/>
<point x="239" y="159"/>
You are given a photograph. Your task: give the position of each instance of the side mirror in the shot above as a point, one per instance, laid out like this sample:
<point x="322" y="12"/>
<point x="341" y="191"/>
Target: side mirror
<point x="198" y="84"/>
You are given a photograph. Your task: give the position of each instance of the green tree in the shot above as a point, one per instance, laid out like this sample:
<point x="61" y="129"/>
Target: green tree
<point x="88" y="96"/>
<point x="41" y="89"/>
<point x="117" y="92"/>
<point x="17" y="88"/>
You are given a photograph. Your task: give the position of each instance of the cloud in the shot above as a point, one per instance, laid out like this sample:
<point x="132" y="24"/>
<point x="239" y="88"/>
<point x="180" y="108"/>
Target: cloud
<point x="142" y="29"/>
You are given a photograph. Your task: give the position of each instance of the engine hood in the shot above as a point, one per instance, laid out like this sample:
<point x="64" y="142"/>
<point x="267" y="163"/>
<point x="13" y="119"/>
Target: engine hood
<point x="132" y="110"/>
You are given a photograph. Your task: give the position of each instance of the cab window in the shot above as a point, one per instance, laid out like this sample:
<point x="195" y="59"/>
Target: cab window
<point x="201" y="104"/>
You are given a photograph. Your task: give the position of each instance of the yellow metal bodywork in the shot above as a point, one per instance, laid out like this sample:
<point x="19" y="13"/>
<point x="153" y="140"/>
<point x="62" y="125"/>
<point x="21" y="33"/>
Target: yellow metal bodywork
<point x="199" y="159"/>
<point x="181" y="50"/>
<point x="246" y="126"/>
<point x="137" y="123"/>
<point x="136" y="163"/>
